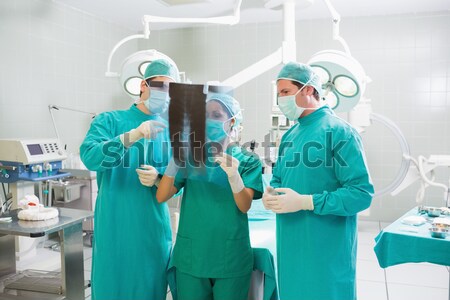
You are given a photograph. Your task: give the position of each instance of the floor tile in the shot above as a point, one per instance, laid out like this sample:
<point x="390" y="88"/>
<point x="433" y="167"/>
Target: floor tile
<point x="44" y="260"/>
<point x="371" y="290"/>
<point x="368" y="226"/>
<point x="87" y="252"/>
<point x="366" y="252"/>
<point x="88" y="264"/>
<point x="87" y="293"/>
<point x="384" y="225"/>
<point x="87" y="275"/>
<point x="367" y="238"/>
<point x="169" y="296"/>
<point x="423" y="274"/>
<point x="411" y="292"/>
<point x="369" y="271"/>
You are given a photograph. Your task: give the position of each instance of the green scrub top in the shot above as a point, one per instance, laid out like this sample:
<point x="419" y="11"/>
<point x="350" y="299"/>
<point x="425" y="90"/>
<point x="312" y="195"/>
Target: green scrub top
<point x="213" y="235"/>
<point x="323" y="156"/>
<point x="132" y="234"/>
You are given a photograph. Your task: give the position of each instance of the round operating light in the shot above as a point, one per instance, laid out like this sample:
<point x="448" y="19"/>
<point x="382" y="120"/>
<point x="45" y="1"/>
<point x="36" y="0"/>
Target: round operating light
<point x="133" y="70"/>
<point x="322" y="73"/>
<point x="345" y="86"/>
<point x="332" y="100"/>
<point x="143" y="67"/>
<point x="133" y="85"/>
<point x="346" y="77"/>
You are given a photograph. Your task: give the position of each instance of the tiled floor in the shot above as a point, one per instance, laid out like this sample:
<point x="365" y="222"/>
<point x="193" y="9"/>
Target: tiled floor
<point x="401" y="282"/>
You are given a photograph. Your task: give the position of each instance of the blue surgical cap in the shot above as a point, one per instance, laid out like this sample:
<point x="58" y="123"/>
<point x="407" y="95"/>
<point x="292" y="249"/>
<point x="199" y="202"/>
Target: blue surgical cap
<point x="301" y="73"/>
<point x="232" y="105"/>
<point x="162" y="67"/>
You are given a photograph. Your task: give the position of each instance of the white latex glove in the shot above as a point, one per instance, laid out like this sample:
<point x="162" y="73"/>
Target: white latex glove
<point x="147" y="129"/>
<point x="230" y="165"/>
<point x="148" y="176"/>
<point x="172" y="169"/>
<point x="289" y="201"/>
<point x="270" y="191"/>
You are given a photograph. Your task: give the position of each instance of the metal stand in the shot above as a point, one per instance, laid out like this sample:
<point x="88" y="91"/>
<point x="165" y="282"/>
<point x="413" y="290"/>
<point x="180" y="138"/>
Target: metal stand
<point x="72" y="267"/>
<point x="7" y="255"/>
<point x="70" y="284"/>
<point x="35" y="281"/>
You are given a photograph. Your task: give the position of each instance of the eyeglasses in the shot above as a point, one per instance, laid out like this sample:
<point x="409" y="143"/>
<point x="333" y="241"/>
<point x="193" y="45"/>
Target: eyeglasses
<point x="162" y="86"/>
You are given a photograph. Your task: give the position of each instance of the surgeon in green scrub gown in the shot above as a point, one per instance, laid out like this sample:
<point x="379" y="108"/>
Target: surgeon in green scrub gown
<point x="132" y="235"/>
<point x="212" y="255"/>
<point x="321" y="182"/>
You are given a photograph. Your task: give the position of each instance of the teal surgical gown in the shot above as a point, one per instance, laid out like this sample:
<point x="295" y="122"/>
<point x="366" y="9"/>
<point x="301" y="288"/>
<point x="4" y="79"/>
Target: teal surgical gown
<point x="323" y="156"/>
<point x="213" y="235"/>
<point x="132" y="234"/>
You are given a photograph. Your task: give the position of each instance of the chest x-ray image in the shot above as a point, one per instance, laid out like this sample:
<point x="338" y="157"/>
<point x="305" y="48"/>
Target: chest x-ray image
<point x="191" y="143"/>
<point x="187" y="122"/>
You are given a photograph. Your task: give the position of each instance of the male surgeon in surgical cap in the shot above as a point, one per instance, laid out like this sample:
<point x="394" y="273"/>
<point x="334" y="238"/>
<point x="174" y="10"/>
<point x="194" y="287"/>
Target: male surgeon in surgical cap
<point x="132" y="231"/>
<point x="320" y="183"/>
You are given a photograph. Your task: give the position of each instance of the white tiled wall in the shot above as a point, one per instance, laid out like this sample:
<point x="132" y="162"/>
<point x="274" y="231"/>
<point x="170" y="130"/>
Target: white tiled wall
<point x="406" y="56"/>
<point x="54" y="54"/>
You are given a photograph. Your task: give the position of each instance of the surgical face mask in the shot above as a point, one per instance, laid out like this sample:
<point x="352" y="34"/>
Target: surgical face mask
<point x="215" y="131"/>
<point x="158" y="102"/>
<point x="289" y="107"/>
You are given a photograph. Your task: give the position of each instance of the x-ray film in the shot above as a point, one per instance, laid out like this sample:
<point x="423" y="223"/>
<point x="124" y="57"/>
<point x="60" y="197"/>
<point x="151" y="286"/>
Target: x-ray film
<point x="187" y="114"/>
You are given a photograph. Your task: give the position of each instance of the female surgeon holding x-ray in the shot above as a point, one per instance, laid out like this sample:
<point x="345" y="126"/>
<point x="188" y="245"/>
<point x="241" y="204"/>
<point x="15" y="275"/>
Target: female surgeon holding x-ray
<point x="212" y="255"/>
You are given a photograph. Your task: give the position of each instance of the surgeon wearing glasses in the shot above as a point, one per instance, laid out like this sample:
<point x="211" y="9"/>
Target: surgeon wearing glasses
<point x="132" y="231"/>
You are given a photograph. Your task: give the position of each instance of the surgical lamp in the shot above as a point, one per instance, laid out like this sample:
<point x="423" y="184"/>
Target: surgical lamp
<point x="133" y="69"/>
<point x="343" y="78"/>
<point x="134" y="66"/>
<point x="344" y="81"/>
